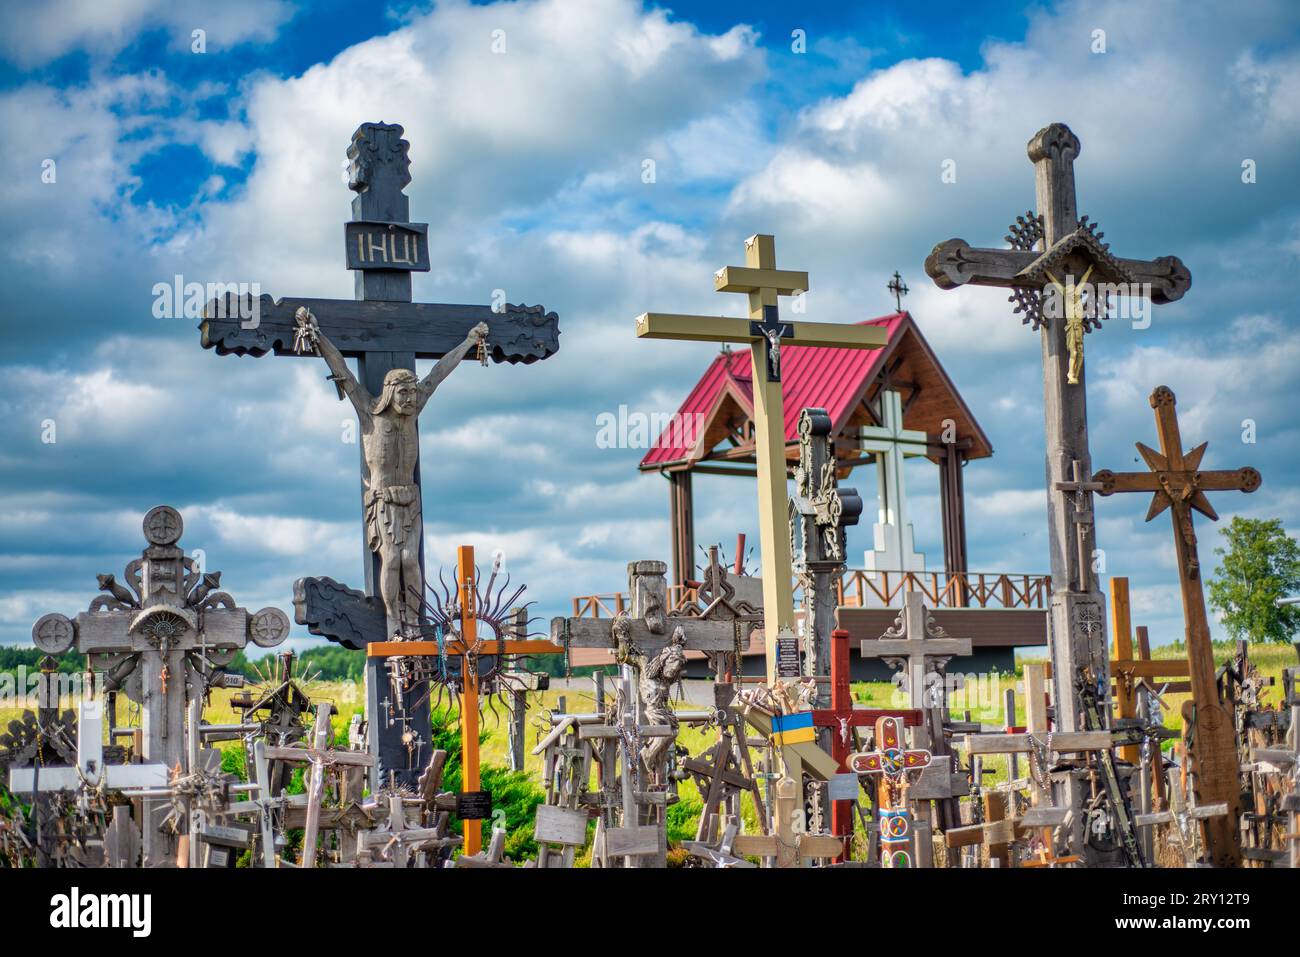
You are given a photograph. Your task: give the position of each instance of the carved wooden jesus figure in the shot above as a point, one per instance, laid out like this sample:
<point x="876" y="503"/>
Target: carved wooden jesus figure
<point x="390" y="447"/>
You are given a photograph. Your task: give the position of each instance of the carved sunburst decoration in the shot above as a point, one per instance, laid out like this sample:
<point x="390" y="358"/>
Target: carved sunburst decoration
<point x="163" y="623"/>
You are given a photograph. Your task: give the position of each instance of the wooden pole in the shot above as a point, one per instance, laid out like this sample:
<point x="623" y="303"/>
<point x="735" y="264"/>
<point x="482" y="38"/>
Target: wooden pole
<point x="769" y="449"/>
<point x="1295" y="813"/>
<point x="469" y="694"/>
<point x="841" y="701"/>
<point x="1122" y="626"/>
<point x="1159" y="800"/>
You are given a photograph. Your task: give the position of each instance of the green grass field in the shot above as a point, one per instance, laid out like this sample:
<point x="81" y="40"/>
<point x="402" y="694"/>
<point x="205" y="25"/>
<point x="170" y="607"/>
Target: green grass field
<point x="983" y="699"/>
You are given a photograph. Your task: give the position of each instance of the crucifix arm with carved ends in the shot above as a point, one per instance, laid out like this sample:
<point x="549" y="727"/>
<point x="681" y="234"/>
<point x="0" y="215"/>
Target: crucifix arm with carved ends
<point x="429" y="330"/>
<point x="701" y="634"/>
<point x="1175" y="477"/>
<point x="956" y="263"/>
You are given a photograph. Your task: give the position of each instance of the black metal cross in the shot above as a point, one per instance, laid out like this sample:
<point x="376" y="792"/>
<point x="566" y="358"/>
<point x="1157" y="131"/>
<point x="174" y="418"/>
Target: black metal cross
<point x="383" y="330"/>
<point x="899" y="289"/>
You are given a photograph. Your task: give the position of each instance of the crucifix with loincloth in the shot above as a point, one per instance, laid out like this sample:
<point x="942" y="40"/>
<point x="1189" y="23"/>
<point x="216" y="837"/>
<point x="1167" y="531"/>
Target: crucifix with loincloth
<point x="650" y="627"/>
<point x="1051" y="251"/>
<point x="893" y="761"/>
<point x="650" y="643"/>
<point x="385" y="332"/>
<point x="766" y="334"/>
<point x="1177" y="483"/>
<point x="160" y="636"/>
<point x="474" y="805"/>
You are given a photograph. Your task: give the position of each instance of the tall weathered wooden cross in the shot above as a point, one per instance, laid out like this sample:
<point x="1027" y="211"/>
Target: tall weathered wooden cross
<point x="766" y="334"/>
<point x="384" y="331"/>
<point x="1046" y="248"/>
<point x="1178" y="484"/>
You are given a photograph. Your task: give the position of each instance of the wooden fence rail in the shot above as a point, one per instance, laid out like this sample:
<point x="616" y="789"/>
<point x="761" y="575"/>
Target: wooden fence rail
<point x="858" y="588"/>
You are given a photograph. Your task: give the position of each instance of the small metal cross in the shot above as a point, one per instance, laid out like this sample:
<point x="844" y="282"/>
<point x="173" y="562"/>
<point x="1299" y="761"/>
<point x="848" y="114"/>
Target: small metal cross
<point x="899" y="289"/>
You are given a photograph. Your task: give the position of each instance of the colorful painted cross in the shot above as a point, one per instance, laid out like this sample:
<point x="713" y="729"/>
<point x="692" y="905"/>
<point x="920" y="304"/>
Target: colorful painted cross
<point x="892" y="760"/>
<point x="766" y="335"/>
<point x="842" y="717"/>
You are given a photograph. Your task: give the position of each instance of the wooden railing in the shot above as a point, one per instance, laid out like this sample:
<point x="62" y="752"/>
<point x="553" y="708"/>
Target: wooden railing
<point x="615" y="603"/>
<point x="858" y="588"/>
<point x="865" y="589"/>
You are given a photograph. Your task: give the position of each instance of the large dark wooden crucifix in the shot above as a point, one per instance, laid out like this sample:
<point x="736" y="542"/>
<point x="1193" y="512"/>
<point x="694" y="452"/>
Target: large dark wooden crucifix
<point x="1178" y="484"/>
<point x="1061" y="276"/>
<point x="383" y="331"/>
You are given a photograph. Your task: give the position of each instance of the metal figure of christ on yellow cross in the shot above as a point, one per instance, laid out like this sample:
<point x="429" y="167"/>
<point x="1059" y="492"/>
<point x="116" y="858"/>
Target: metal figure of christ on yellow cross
<point x="766" y="335"/>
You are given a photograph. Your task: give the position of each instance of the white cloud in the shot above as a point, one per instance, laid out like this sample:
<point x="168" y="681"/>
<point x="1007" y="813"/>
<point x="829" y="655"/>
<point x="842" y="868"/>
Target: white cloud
<point x="35" y="33"/>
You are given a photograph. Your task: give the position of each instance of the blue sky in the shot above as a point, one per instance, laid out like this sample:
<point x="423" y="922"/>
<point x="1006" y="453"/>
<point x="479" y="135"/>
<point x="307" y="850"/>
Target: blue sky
<point x="225" y="165"/>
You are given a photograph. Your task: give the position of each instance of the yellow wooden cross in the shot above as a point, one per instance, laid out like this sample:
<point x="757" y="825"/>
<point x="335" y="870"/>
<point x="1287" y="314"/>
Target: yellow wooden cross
<point x="766" y="335"/>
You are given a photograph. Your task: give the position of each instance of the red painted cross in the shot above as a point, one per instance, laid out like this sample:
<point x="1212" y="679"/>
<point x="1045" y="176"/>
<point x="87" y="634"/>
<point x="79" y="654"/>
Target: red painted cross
<point x="841" y="718"/>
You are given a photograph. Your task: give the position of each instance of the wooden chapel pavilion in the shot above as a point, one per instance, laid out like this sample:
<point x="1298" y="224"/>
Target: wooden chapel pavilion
<point x="851" y="385"/>
<point x="885" y="404"/>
